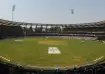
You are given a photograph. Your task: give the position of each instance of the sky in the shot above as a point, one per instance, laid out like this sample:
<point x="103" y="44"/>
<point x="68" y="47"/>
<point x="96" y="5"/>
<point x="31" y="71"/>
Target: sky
<point x="53" y="11"/>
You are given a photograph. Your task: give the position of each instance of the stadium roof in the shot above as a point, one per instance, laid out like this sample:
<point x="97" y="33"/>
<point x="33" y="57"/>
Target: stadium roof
<point x="92" y="24"/>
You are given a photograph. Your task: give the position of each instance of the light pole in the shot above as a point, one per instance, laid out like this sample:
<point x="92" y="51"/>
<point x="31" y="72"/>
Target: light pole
<point x="71" y="12"/>
<point x="13" y="9"/>
<point x="12" y="15"/>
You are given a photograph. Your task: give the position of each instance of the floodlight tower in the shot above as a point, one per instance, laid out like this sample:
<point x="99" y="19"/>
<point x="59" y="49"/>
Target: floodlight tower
<point x="71" y="12"/>
<point x="13" y="9"/>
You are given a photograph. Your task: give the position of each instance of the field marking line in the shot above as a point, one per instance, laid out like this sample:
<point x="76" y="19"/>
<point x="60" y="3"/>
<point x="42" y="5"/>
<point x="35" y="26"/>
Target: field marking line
<point x="4" y="58"/>
<point x="98" y="58"/>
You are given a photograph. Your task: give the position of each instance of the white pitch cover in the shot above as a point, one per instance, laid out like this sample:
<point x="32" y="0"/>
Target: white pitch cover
<point x="53" y="50"/>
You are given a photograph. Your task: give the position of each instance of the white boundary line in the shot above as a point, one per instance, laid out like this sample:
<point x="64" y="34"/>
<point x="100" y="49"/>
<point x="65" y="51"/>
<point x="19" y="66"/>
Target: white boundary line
<point x="98" y="58"/>
<point x="52" y="67"/>
<point x="4" y="58"/>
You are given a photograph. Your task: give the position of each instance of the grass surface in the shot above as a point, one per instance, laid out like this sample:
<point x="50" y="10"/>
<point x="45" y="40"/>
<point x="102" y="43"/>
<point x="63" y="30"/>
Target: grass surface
<point x="34" y="51"/>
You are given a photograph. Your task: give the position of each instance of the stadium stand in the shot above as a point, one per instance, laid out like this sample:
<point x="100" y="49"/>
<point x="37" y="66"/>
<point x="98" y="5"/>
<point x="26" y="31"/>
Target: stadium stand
<point x="9" y="29"/>
<point x="83" y="29"/>
<point x="98" y="68"/>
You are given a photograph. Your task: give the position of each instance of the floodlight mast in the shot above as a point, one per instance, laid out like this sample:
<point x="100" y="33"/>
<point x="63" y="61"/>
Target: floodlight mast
<point x="71" y="12"/>
<point x="13" y="9"/>
<point x="12" y="16"/>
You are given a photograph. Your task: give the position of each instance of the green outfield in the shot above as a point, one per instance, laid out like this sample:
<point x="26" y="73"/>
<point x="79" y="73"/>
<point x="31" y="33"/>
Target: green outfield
<point x="34" y="51"/>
